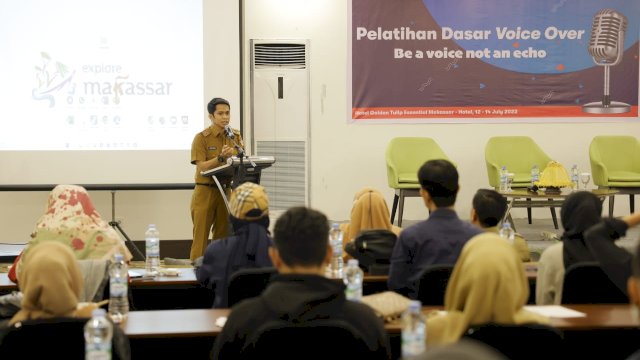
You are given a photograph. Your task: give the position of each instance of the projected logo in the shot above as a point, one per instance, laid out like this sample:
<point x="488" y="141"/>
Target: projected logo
<point x="51" y="77"/>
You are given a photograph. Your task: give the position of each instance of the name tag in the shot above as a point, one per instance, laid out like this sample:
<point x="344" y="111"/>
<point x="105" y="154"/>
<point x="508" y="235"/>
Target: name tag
<point x="212" y="148"/>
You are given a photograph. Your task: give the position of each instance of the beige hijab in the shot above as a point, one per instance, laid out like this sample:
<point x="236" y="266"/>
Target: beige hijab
<point x="50" y="281"/>
<point x="370" y="211"/>
<point x="488" y="284"/>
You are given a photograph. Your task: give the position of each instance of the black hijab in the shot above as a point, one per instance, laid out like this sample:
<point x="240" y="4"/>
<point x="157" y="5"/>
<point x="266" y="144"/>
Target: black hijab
<point x="588" y="237"/>
<point x="580" y="211"/>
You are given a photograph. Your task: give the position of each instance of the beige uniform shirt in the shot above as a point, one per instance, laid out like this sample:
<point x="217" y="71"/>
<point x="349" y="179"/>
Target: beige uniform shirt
<point x="207" y="145"/>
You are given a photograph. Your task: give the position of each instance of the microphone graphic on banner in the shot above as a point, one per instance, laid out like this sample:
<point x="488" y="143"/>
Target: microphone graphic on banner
<point x="606" y="47"/>
<point x="228" y="132"/>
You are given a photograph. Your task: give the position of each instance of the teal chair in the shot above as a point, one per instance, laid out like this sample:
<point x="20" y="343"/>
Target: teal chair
<point x="404" y="156"/>
<point x="518" y="154"/>
<point x="615" y="165"/>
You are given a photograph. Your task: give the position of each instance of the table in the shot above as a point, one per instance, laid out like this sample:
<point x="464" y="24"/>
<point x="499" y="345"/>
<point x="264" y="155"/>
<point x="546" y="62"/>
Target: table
<point x="522" y="198"/>
<point x="154" y="332"/>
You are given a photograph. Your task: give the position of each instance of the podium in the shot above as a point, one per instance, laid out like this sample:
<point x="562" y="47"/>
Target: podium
<point x="239" y="170"/>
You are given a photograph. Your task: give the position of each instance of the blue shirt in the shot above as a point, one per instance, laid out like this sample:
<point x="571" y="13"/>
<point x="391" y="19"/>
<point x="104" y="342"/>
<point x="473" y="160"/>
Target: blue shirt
<point x="437" y="240"/>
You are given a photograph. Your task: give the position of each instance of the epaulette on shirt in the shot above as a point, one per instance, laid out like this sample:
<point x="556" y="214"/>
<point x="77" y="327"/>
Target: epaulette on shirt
<point x="206" y="132"/>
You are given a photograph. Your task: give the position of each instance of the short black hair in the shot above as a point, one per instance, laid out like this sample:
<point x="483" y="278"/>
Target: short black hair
<point x="211" y="106"/>
<point x="301" y="236"/>
<point x="440" y="179"/>
<point x="490" y="207"/>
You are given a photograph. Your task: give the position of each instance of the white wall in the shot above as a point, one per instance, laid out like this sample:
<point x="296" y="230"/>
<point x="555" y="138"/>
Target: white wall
<point x="344" y="157"/>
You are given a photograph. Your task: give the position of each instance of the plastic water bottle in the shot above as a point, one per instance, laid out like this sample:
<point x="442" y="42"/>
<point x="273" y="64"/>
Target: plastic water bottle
<point x="503" y="179"/>
<point x="575" y="176"/>
<point x="507" y="233"/>
<point x="118" y="288"/>
<point x="353" y="277"/>
<point x="535" y="174"/>
<point x="335" y="240"/>
<point x="152" y="245"/>
<point x="414" y="331"/>
<point x="98" y="332"/>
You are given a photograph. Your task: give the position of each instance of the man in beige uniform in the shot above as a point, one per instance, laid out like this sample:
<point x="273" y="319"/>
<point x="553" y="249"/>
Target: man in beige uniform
<point x="211" y="148"/>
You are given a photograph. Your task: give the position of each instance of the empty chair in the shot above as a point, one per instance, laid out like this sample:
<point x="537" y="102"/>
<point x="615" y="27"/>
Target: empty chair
<point x="520" y="342"/>
<point x="287" y="340"/>
<point x="60" y="337"/>
<point x="248" y="283"/>
<point x="404" y="156"/>
<point x="433" y="284"/>
<point x="518" y="154"/>
<point x="587" y="283"/>
<point x="615" y="164"/>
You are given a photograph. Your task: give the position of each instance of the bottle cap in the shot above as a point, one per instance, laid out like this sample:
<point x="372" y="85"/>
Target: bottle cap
<point x="118" y="257"/>
<point x="415" y="304"/>
<point x="352" y="262"/>
<point x="98" y="312"/>
<point x="506" y="224"/>
<point x="335" y="225"/>
<point x="152" y="225"/>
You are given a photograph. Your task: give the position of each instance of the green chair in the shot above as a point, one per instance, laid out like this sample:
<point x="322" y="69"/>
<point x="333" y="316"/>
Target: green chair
<point x="518" y="154"/>
<point x="404" y="156"/>
<point x="615" y="165"/>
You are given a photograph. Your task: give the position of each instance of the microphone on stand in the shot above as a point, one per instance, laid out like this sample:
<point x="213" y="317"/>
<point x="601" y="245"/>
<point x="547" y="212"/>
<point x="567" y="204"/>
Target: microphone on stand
<point x="606" y="47"/>
<point x="229" y="132"/>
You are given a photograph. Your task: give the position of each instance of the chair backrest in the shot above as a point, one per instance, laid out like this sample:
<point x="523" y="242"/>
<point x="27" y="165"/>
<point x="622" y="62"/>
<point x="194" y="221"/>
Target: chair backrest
<point x="405" y="155"/>
<point x="433" y="284"/>
<point x="587" y="283"/>
<point x="248" y="283"/>
<point x="613" y="153"/>
<point x="520" y="342"/>
<point x="323" y="337"/>
<point x="55" y="338"/>
<point x="517" y="153"/>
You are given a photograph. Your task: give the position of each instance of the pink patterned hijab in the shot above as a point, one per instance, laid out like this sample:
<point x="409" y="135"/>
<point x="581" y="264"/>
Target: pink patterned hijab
<point x="71" y="219"/>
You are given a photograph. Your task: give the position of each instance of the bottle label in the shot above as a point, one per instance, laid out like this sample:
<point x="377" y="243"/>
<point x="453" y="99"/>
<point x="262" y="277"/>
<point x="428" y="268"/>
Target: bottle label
<point x="413" y="343"/>
<point x="98" y="351"/>
<point x="153" y="247"/>
<point x="353" y="292"/>
<point x="118" y="287"/>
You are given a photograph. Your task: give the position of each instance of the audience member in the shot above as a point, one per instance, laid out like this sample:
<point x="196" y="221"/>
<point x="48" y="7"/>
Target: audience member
<point x="51" y="283"/>
<point x="369" y="212"/>
<point x="581" y="211"/>
<point x="437" y="240"/>
<point x="488" y="284"/>
<point x="71" y="219"/>
<point x="246" y="248"/>
<point x="300" y="293"/>
<point x="487" y="211"/>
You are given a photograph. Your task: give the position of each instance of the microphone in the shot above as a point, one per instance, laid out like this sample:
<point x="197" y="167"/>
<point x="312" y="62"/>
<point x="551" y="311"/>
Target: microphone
<point x="606" y="47"/>
<point x="607" y="37"/>
<point x="228" y="132"/>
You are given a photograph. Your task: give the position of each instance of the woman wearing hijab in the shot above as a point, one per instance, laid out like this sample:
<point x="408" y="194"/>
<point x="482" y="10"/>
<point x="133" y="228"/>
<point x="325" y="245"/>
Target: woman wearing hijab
<point x="51" y="283"/>
<point x="488" y="285"/>
<point x="71" y="219"/>
<point x="247" y="248"/>
<point x="369" y="212"/>
<point x="587" y="237"/>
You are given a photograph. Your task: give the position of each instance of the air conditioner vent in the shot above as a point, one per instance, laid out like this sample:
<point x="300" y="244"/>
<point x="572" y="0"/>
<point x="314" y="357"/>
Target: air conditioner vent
<point x="280" y="55"/>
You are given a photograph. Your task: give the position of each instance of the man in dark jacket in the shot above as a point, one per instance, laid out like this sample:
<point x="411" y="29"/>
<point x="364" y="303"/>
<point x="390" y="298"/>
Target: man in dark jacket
<point x="300" y="293"/>
<point x="247" y="248"/>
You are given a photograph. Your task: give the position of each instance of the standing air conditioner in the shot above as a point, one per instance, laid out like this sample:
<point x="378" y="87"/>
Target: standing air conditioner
<point x="280" y="118"/>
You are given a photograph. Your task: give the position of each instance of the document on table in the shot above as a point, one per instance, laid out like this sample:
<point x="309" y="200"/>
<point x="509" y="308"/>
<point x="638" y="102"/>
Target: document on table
<point x="555" y="311"/>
